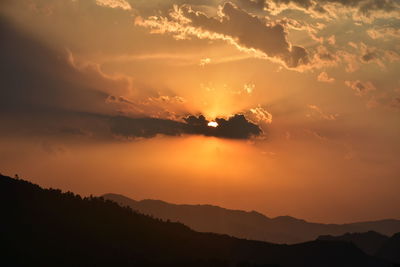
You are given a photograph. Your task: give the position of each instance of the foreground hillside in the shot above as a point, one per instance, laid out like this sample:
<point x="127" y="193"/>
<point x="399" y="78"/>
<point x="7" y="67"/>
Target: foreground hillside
<point x="391" y="249"/>
<point x="250" y="225"/>
<point x="44" y="227"/>
<point x="369" y="242"/>
<point x="372" y="243"/>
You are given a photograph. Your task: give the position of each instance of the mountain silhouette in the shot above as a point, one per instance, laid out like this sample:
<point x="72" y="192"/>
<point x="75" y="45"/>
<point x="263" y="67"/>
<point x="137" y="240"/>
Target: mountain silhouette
<point x="250" y="225"/>
<point x="390" y="250"/>
<point x="370" y="242"/>
<point x="45" y="227"/>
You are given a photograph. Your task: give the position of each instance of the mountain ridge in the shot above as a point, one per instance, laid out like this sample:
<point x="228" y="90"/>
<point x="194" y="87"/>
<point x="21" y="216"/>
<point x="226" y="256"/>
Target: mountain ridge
<point x="250" y="224"/>
<point x="46" y="227"/>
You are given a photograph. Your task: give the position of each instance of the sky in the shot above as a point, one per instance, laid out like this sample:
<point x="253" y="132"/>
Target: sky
<point x="101" y="96"/>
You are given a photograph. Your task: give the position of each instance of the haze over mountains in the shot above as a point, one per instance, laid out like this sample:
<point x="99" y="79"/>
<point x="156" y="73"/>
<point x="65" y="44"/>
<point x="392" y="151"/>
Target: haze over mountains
<point x="250" y="225"/>
<point x="45" y="227"/>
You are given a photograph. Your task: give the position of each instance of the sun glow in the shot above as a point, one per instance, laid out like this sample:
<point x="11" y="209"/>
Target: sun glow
<point x="213" y="124"/>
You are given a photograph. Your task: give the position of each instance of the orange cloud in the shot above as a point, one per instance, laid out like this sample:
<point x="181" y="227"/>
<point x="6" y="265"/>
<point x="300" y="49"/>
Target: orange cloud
<point x="361" y="88"/>
<point x="323" y="77"/>
<point x="265" y="39"/>
<point x="114" y="4"/>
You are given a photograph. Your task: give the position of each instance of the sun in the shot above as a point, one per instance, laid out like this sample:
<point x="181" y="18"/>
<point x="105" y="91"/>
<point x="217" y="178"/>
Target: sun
<point x="213" y="124"/>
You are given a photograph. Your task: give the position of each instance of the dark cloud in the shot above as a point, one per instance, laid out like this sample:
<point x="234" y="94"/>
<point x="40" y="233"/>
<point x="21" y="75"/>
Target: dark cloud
<point x="251" y="4"/>
<point x="252" y="32"/>
<point x="369" y="56"/>
<point x="326" y="56"/>
<point x="118" y="99"/>
<point x="155" y="7"/>
<point x="236" y="127"/>
<point x="34" y="77"/>
<point x="361" y="88"/>
<point x="296" y="57"/>
<point x="144" y="127"/>
<point x="367" y="6"/>
<point x="73" y="131"/>
<point x="43" y="93"/>
<point x="364" y="7"/>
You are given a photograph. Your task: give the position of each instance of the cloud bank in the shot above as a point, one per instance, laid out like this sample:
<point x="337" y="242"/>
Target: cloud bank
<point x="50" y="94"/>
<point x="235" y="127"/>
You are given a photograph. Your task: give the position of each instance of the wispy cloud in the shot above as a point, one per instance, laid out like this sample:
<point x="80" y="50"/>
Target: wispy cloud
<point x="114" y="4"/>
<point x="323" y="77"/>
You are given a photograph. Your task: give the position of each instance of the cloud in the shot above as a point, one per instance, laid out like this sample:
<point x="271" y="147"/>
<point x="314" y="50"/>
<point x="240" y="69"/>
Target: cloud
<point x="261" y="115"/>
<point x="114" y="4"/>
<point x="317" y="112"/>
<point x="265" y="39"/>
<point x="61" y="96"/>
<point x="52" y="148"/>
<point x="205" y="61"/>
<point x="235" y="127"/>
<point x="331" y="40"/>
<point x="36" y="78"/>
<point x="251" y="4"/>
<point x="369" y="56"/>
<point x="361" y="9"/>
<point x="323" y="77"/>
<point x="396" y="102"/>
<point x="384" y="33"/>
<point x="391" y="56"/>
<point x="152" y="104"/>
<point x="249" y="87"/>
<point x="144" y="127"/>
<point x="325" y="57"/>
<point x="353" y="44"/>
<point x="46" y="91"/>
<point x="361" y="88"/>
<point x="351" y="60"/>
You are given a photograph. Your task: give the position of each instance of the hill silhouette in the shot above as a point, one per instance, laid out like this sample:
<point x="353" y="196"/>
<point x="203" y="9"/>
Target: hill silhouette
<point x="390" y="250"/>
<point x="250" y="225"/>
<point x="45" y="227"/>
<point x="370" y="242"/>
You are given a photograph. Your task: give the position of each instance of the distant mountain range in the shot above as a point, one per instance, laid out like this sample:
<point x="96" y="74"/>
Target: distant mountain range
<point x="250" y="225"/>
<point x="45" y="227"/>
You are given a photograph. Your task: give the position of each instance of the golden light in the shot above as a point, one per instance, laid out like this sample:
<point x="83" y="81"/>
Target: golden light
<point x="213" y="124"/>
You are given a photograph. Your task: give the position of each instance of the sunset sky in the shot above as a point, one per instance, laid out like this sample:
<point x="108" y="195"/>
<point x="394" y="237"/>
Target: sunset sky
<point x="100" y="96"/>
